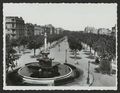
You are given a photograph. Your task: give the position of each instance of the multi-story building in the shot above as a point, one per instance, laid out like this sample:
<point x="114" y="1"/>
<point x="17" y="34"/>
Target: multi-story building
<point x="38" y="30"/>
<point x="49" y="29"/>
<point x="14" y="27"/>
<point x="104" y="31"/>
<point x="58" y="30"/>
<point x="90" y="30"/>
<point x="29" y="29"/>
<point x="113" y="33"/>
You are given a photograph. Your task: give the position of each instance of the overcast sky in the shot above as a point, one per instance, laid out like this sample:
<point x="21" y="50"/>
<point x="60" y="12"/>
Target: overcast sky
<point x="68" y="16"/>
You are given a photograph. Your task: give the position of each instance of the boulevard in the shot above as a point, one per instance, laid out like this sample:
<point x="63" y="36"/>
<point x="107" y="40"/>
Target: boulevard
<point x="58" y="53"/>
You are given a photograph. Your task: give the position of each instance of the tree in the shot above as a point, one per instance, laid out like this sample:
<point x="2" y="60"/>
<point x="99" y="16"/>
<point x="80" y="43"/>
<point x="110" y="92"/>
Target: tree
<point x="14" y="43"/>
<point x="105" y="62"/>
<point x="34" y="45"/>
<point x="23" y="41"/>
<point x="95" y="47"/>
<point x="54" y="37"/>
<point x="50" y="39"/>
<point x="104" y="45"/>
<point x="10" y="58"/>
<point x="74" y="44"/>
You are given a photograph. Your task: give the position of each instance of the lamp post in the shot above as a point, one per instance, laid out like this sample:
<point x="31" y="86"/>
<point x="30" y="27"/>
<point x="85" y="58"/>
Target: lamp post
<point x="66" y="56"/>
<point x="88" y="78"/>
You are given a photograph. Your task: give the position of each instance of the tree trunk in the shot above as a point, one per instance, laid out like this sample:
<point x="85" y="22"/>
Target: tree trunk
<point x="50" y="44"/>
<point x="94" y="53"/>
<point x="23" y="48"/>
<point x="40" y="48"/>
<point x="59" y="47"/>
<point x="87" y="46"/>
<point x="19" y="48"/>
<point x="90" y="49"/>
<point x="34" y="51"/>
<point x="75" y="55"/>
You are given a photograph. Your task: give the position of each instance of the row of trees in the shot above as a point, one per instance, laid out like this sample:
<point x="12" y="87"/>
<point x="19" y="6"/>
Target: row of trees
<point x="52" y="38"/>
<point x="10" y="54"/>
<point x="33" y="42"/>
<point x="104" y="45"/>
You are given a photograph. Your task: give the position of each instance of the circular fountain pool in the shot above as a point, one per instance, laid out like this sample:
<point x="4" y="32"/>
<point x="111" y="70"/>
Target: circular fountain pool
<point x="45" y="71"/>
<point x="33" y="75"/>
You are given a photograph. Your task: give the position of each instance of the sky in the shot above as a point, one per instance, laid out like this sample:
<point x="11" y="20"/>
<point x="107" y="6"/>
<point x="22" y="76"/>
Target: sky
<point x="74" y="16"/>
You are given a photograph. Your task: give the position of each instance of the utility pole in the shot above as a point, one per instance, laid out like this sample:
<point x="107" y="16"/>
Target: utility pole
<point x="88" y="78"/>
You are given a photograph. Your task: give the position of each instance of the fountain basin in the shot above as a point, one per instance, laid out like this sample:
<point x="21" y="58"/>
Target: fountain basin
<point x="25" y="72"/>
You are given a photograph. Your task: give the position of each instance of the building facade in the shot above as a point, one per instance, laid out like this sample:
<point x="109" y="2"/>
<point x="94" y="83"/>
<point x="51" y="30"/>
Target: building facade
<point x="38" y="30"/>
<point x="59" y="31"/>
<point x="14" y="27"/>
<point x="49" y="29"/>
<point x="104" y="31"/>
<point x="113" y="33"/>
<point x="90" y="30"/>
<point x="29" y="29"/>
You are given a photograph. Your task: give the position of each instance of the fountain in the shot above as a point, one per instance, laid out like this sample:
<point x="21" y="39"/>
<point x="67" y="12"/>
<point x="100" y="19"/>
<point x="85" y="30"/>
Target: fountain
<point x="45" y="71"/>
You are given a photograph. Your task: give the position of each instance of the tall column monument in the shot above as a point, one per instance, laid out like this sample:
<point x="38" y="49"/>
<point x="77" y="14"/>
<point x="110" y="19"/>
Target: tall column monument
<point x="45" y="42"/>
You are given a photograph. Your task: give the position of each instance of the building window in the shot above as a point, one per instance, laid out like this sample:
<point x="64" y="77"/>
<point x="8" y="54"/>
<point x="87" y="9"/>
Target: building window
<point x="13" y="30"/>
<point x="12" y="25"/>
<point x="12" y="19"/>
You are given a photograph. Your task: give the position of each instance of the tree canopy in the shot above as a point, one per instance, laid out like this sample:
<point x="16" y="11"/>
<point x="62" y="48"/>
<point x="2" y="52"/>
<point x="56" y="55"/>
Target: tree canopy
<point x="74" y="43"/>
<point x="104" y="44"/>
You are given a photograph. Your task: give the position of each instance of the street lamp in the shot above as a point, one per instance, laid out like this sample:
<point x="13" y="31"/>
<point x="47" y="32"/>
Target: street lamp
<point x="88" y="78"/>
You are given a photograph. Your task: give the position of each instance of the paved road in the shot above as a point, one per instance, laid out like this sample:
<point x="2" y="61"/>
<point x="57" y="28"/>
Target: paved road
<point x="99" y="79"/>
<point x="59" y="56"/>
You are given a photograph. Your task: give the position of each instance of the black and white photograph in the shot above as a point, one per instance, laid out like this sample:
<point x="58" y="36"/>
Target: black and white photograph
<point x="60" y="46"/>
